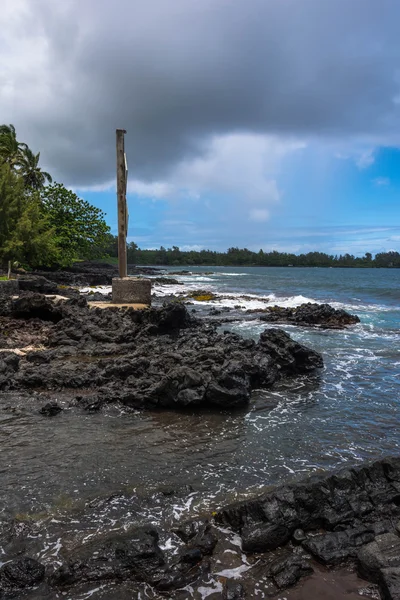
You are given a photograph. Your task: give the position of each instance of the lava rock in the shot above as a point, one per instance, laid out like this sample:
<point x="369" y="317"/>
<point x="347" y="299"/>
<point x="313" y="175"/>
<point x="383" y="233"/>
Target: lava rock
<point x="156" y="358"/>
<point x="21" y="573"/>
<point x="310" y="314"/>
<point x="35" y="306"/>
<point x="37" y="284"/>
<point x="263" y="537"/>
<point x="383" y="552"/>
<point x="233" y="590"/>
<point x="290" y="356"/>
<point x="50" y="409"/>
<point x="287" y="571"/>
<point x="389" y="584"/>
<point x="334" y="548"/>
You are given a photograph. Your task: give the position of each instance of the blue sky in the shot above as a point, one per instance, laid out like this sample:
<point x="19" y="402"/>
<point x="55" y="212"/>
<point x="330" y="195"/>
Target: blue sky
<point x="269" y="124"/>
<point x="327" y="201"/>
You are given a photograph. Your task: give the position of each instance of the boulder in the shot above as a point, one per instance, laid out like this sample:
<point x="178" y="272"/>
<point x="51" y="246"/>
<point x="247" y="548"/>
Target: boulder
<point x="382" y="553"/>
<point x="36" y="306"/>
<point x="290" y="356"/>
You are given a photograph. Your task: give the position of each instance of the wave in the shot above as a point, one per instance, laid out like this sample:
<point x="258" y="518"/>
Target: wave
<point x="232" y="274"/>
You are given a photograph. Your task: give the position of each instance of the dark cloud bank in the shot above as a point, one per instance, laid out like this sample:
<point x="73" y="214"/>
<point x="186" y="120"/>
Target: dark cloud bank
<point x="176" y="72"/>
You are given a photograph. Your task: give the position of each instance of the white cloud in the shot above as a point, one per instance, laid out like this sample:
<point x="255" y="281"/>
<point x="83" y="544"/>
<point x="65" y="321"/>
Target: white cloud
<point x="242" y="168"/>
<point x="381" y="181"/>
<point x="366" y="159"/>
<point x="154" y="189"/>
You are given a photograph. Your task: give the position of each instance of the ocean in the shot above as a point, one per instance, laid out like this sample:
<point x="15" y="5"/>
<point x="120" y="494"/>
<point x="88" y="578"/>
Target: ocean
<point x="341" y="416"/>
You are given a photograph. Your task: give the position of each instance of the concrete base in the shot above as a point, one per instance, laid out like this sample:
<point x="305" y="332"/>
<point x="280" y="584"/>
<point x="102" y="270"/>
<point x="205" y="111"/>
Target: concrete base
<point x="112" y="306"/>
<point x="131" y="290"/>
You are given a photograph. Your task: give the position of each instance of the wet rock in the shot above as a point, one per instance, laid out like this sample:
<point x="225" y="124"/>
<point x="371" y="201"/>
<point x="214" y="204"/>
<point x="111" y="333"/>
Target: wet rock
<point x="50" y="409"/>
<point x="264" y="537"/>
<point x="382" y="553"/>
<point x="233" y="590"/>
<point x="198" y="535"/>
<point x="335" y="547"/>
<point x="389" y="585"/>
<point x="287" y="571"/>
<point x="136" y="554"/>
<point x="20" y="573"/>
<point x="299" y="536"/>
<point x="352" y="506"/>
<point x="290" y="356"/>
<point x="131" y="556"/>
<point x="310" y="314"/>
<point x="156" y="358"/>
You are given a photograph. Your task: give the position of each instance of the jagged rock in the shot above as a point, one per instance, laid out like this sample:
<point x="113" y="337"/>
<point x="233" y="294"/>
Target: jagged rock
<point x="37" y="284"/>
<point x="287" y="571"/>
<point x="359" y="502"/>
<point x="310" y="314"/>
<point x="290" y="356"/>
<point x="20" y="573"/>
<point x="197" y="535"/>
<point x="50" y="409"/>
<point x="233" y="590"/>
<point x="35" y="306"/>
<point x="335" y="547"/>
<point x="389" y="584"/>
<point x="383" y="552"/>
<point x="264" y="537"/>
<point x="134" y="556"/>
<point x="156" y="358"/>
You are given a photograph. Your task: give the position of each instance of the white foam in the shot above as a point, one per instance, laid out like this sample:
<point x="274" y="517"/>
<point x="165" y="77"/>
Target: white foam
<point x="234" y="573"/>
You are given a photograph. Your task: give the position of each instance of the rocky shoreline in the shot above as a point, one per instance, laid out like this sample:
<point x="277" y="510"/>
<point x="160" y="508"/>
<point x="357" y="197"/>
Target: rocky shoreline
<point x="169" y="358"/>
<point x="155" y="358"/>
<point x="345" y="523"/>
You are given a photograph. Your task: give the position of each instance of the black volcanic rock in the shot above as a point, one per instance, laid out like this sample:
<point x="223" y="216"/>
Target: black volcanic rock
<point x="20" y="573"/>
<point x="311" y="315"/>
<point x="153" y="358"/>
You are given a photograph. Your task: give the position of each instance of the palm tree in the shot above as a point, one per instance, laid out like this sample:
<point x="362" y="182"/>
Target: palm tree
<point x="29" y="168"/>
<point x="10" y="148"/>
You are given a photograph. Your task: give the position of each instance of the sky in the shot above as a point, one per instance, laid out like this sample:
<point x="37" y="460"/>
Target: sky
<point x="270" y="124"/>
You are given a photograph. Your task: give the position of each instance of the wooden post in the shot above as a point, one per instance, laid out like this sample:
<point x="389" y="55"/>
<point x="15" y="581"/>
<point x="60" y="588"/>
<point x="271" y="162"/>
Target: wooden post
<point x="121" y="198"/>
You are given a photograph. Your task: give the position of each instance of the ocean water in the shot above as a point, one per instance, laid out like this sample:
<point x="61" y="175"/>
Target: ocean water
<point x="78" y="476"/>
<point x="345" y="414"/>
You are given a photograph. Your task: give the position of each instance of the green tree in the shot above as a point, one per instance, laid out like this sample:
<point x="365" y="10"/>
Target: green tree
<point x="11" y="150"/>
<point x="32" y="174"/>
<point x="25" y="233"/>
<point x="80" y="228"/>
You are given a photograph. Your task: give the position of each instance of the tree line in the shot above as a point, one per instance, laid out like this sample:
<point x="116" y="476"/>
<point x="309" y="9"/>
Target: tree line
<point x="246" y="258"/>
<point x="42" y="223"/>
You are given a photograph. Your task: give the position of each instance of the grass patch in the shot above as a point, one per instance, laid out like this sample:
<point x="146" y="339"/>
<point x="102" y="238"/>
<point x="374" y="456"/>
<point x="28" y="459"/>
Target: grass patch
<point x="3" y="278"/>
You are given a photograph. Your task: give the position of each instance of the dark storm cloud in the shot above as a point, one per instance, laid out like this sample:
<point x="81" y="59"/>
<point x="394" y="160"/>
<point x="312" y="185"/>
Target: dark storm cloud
<point x="173" y="73"/>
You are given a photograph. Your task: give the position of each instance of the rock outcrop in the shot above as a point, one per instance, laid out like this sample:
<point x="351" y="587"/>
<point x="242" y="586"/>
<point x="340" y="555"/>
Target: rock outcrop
<point x="311" y="315"/>
<point x="155" y="358"/>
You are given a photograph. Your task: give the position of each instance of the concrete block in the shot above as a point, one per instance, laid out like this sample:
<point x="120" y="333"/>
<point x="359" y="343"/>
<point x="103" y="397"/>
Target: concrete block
<point x="9" y="287"/>
<point x="131" y="290"/>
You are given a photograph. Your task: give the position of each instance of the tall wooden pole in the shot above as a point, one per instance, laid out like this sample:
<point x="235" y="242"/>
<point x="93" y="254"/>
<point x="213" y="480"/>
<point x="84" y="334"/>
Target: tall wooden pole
<point x="121" y="198"/>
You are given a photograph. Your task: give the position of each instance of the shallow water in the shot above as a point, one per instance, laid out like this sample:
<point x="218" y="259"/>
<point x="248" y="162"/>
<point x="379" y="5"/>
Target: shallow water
<point x="347" y="413"/>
